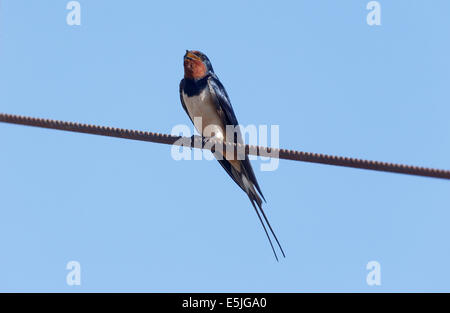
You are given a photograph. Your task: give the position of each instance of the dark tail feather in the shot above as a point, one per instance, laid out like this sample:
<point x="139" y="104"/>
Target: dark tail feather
<point x="260" y="192"/>
<point x="270" y="227"/>
<point x="264" y="226"/>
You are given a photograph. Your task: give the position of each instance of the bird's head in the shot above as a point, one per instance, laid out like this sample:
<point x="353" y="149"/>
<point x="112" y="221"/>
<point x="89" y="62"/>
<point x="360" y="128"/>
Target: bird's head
<point x="196" y="65"/>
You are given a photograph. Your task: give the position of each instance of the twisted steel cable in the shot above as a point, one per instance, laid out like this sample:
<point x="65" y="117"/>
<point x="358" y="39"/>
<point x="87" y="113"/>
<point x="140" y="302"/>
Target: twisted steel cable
<point x="249" y="149"/>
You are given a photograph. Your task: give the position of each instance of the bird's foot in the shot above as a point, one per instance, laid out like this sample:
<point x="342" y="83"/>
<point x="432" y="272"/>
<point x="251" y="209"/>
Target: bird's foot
<point x="205" y="143"/>
<point x="194" y="139"/>
<point x="204" y="140"/>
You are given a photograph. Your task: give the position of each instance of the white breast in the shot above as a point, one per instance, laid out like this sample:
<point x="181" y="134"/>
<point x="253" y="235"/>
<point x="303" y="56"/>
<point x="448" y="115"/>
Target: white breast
<point x="203" y="112"/>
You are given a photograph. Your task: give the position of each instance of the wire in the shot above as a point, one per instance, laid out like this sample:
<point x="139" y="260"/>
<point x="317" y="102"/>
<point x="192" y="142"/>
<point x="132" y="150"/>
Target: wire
<point x="249" y="149"/>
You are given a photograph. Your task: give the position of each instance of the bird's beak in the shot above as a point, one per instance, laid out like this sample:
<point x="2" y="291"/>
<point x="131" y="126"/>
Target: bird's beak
<point x="191" y="56"/>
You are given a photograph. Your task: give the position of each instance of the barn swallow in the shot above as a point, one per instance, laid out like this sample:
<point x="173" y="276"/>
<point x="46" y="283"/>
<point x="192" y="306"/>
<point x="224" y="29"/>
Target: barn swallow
<point x="203" y="95"/>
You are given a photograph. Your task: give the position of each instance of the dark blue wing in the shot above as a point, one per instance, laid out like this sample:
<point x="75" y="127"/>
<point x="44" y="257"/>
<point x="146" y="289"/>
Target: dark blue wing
<point x="226" y="111"/>
<point x="223" y="101"/>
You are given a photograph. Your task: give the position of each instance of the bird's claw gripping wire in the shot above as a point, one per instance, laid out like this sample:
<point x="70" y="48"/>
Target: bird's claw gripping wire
<point x="202" y="143"/>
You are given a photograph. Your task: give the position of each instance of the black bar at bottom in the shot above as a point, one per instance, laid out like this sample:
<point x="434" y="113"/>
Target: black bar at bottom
<point x="223" y="302"/>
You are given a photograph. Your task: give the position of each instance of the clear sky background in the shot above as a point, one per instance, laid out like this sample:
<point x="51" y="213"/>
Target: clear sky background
<point x="136" y="220"/>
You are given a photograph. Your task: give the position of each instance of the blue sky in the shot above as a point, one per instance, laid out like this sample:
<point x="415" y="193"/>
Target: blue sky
<point x="136" y="220"/>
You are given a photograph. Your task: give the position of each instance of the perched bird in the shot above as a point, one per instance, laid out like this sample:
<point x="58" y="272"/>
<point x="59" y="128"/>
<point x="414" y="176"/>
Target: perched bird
<point x="203" y="95"/>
